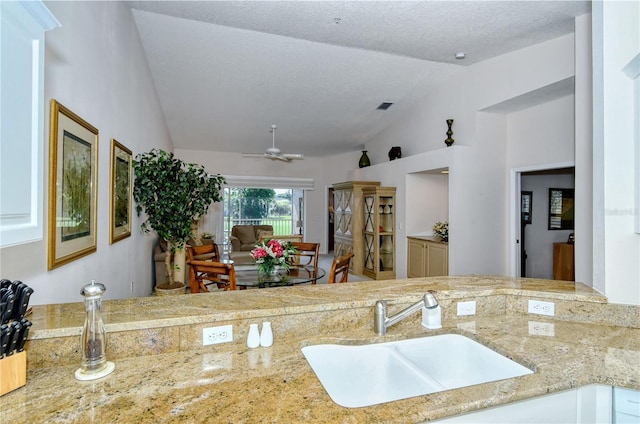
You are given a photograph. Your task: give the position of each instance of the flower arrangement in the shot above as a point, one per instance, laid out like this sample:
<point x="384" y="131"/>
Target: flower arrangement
<point x="272" y="253"/>
<point x="441" y="230"/>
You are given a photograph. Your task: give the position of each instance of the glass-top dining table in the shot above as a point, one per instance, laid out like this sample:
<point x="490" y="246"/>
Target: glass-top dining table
<point x="247" y="276"/>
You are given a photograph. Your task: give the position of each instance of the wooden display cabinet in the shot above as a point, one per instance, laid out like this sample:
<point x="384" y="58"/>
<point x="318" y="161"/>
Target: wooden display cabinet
<point x="379" y="232"/>
<point x="348" y="221"/>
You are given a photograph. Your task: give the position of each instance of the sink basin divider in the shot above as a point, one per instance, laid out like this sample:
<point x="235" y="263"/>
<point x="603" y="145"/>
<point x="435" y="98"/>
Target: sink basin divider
<point x="426" y="378"/>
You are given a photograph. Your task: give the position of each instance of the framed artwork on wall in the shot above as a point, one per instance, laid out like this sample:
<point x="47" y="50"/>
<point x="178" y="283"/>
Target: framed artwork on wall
<point x="561" y="208"/>
<point x="73" y="189"/>
<point x="120" y="192"/>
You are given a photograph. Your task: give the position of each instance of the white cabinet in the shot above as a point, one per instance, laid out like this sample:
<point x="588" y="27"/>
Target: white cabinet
<point x="427" y="257"/>
<point x="584" y="405"/>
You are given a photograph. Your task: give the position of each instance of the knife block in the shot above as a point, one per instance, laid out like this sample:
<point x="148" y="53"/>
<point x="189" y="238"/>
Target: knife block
<point x="13" y="372"/>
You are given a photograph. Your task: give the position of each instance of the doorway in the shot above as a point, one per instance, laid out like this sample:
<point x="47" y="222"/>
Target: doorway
<point x="532" y="252"/>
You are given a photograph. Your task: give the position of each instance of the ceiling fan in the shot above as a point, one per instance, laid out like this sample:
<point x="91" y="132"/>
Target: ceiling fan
<point x="273" y="152"/>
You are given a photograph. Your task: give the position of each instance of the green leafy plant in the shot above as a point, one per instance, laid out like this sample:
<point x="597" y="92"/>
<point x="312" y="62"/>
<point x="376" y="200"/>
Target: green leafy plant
<point x="172" y="194"/>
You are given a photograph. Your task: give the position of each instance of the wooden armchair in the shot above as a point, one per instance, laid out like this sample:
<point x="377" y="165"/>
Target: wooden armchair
<point x="308" y="254"/>
<point x="205" y="270"/>
<point x="340" y="269"/>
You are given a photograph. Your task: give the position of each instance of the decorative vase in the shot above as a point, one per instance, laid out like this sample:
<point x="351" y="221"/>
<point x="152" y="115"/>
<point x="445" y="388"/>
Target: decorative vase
<point x="449" y="141"/>
<point x="274" y="275"/>
<point x="268" y="272"/>
<point x="395" y="153"/>
<point x="364" y="160"/>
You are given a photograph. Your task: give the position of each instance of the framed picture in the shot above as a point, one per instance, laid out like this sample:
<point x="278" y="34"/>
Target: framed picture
<point x="73" y="189"/>
<point x="561" y="209"/>
<point x="120" y="195"/>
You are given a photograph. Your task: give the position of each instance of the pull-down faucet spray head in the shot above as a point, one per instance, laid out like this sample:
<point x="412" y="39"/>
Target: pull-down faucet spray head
<point x="382" y="322"/>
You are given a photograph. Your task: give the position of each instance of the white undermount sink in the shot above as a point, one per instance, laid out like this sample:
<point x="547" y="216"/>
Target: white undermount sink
<point x="365" y="375"/>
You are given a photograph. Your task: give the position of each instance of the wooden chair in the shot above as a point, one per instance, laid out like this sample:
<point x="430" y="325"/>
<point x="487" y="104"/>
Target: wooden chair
<point x="307" y="255"/>
<point x="340" y="269"/>
<point x="205" y="252"/>
<point x="204" y="266"/>
<point x="223" y="275"/>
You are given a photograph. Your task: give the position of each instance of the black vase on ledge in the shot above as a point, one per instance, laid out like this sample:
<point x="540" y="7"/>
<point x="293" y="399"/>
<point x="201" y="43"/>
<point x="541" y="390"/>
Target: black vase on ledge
<point x="364" y="160"/>
<point x="449" y="141"/>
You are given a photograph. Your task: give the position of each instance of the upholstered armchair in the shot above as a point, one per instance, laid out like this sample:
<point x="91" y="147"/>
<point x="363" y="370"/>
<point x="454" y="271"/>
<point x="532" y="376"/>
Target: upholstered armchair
<point x="244" y="237"/>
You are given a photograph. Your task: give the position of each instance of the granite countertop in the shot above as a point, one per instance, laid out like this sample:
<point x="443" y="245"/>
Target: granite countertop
<point x="230" y="383"/>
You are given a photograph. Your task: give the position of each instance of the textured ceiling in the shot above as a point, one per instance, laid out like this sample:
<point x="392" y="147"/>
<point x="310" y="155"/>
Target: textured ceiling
<point x="226" y="71"/>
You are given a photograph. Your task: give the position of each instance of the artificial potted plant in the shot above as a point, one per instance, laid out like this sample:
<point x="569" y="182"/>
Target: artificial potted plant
<point x="172" y="193"/>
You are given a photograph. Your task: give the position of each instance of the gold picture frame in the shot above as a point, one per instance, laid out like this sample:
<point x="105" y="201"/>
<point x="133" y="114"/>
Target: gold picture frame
<point x="73" y="188"/>
<point x="120" y="192"/>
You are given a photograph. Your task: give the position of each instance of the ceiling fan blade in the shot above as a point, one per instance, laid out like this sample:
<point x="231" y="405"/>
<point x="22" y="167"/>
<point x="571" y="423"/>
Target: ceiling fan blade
<point x="278" y="157"/>
<point x="293" y="156"/>
<point x="253" y="155"/>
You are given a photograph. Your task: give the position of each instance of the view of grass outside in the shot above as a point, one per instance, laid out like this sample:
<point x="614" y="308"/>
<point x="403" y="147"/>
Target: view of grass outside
<point x="261" y="206"/>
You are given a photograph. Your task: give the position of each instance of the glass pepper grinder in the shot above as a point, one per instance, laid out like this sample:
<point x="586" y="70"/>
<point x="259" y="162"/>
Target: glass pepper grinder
<point x="93" y="340"/>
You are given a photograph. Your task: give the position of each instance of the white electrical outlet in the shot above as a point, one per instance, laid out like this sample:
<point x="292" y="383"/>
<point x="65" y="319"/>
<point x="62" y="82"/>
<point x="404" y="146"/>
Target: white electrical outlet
<point x="466" y="308"/>
<point x="541" y="328"/>
<point x="217" y="335"/>
<point x="542" y="308"/>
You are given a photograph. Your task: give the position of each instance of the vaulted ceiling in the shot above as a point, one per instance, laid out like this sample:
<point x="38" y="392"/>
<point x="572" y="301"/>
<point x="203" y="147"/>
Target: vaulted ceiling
<point x="225" y="71"/>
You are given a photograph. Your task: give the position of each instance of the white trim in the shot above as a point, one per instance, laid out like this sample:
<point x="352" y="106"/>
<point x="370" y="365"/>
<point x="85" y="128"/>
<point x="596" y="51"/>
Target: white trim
<point x="632" y="70"/>
<point x="269" y="182"/>
<point x="514" y="210"/>
<point x="41" y="14"/>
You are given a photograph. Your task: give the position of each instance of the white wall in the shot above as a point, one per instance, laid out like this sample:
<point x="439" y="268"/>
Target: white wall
<point x="430" y="198"/>
<point x="584" y="150"/>
<point x="478" y="87"/>
<point x="94" y="65"/>
<point x="541" y="134"/>
<point x="479" y="241"/>
<point x="616" y="256"/>
<point x="538" y="238"/>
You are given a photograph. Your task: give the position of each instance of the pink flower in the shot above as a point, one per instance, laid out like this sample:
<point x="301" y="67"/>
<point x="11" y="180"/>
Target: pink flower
<point x="275" y="247"/>
<point x="259" y="252"/>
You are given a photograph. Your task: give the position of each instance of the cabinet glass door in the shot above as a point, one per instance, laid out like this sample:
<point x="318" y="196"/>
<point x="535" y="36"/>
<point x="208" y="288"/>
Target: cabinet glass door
<point x="370" y="215"/>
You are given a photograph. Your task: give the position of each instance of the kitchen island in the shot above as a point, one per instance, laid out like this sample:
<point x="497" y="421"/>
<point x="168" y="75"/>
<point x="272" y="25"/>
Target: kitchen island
<point x="164" y="375"/>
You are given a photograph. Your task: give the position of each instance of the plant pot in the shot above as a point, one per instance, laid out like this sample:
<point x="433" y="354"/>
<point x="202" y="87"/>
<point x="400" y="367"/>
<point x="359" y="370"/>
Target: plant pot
<point x="165" y="289"/>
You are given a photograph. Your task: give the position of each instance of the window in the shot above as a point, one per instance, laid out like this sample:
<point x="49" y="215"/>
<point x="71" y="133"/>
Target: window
<point x="22" y="116"/>
<point x="279" y="207"/>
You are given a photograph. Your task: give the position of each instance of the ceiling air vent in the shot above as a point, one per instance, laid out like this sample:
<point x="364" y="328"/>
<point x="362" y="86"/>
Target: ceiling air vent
<point x="384" y="106"/>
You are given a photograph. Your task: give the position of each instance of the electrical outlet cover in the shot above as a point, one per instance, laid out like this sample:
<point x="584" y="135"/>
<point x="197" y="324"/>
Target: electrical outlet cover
<point x="217" y="335"/>
<point x="542" y="308"/>
<point x="467" y="308"/>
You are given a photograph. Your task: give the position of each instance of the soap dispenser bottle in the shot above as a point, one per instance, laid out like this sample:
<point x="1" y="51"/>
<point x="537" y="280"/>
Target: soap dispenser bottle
<point x="93" y="341"/>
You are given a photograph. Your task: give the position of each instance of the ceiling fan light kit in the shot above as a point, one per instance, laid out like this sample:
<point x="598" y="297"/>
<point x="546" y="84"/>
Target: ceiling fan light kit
<point x="273" y="152"/>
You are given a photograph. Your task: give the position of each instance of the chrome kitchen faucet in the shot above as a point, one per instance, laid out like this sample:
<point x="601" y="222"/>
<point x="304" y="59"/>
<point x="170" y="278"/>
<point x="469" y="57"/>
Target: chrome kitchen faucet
<point x="431" y="314"/>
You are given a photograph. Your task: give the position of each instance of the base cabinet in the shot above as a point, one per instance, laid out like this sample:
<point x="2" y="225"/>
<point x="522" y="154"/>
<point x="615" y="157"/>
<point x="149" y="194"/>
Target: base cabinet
<point x="588" y="404"/>
<point x="427" y="257"/>
<point x="563" y="262"/>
